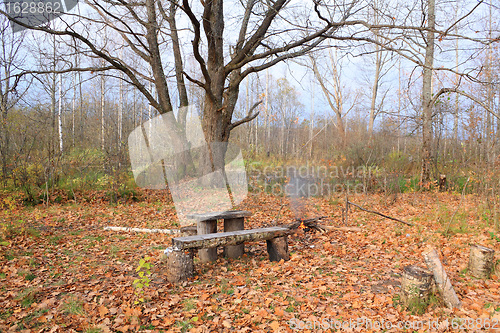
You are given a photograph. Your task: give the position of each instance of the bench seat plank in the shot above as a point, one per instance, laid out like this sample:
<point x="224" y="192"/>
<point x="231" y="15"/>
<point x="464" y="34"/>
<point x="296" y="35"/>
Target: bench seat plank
<point x="227" y="238"/>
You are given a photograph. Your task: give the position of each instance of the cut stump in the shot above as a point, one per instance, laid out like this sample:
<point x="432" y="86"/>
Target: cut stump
<point x="180" y="266"/>
<point x="416" y="285"/>
<point x="207" y="227"/>
<point x="189" y="230"/>
<point x="234" y="224"/>
<point x="278" y="248"/>
<point x="481" y="261"/>
<point x="443" y="283"/>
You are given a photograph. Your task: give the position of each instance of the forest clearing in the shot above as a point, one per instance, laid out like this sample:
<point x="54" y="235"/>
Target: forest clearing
<point x="61" y="272"/>
<point x="149" y="148"/>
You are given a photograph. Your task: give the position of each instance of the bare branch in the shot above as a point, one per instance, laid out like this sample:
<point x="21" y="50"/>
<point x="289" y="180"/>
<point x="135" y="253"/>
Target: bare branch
<point x="463" y="93"/>
<point x="244" y="24"/>
<point x="116" y="63"/>
<point x="256" y="38"/>
<point x="249" y="117"/>
<point x="196" y="48"/>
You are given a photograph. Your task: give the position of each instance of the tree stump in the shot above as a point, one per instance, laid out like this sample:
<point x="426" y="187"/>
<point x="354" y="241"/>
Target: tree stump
<point x="481" y="261"/>
<point x="207" y="227"/>
<point x="180" y="266"/>
<point x="416" y="285"/>
<point x="278" y="248"/>
<point x="234" y="251"/>
<point x="443" y="283"/>
<point x="442" y="183"/>
<point x="190" y="230"/>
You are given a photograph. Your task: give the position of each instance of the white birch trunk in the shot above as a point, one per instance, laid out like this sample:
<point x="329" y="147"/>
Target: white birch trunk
<point x="120" y="113"/>
<point x="102" y="112"/>
<point x="59" y="117"/>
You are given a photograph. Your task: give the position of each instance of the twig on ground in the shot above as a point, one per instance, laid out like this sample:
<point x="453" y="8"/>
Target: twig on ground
<point x="383" y="215"/>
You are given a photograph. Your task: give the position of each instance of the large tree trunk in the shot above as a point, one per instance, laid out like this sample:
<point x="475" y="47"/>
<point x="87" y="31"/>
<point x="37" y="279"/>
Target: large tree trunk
<point x="219" y="105"/>
<point x="427" y="94"/>
<point x="179" y="66"/>
<point x="183" y="161"/>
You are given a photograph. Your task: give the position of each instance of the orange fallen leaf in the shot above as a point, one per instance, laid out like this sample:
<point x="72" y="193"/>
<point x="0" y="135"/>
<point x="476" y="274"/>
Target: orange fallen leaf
<point x="275" y="325"/>
<point x="279" y="312"/>
<point x="262" y="312"/>
<point x="103" y="311"/>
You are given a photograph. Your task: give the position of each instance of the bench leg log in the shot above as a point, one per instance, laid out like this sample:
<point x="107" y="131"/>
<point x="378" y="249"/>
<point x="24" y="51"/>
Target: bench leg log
<point x="180" y="266"/>
<point x="207" y="227"/>
<point x="278" y="248"/>
<point x="234" y="251"/>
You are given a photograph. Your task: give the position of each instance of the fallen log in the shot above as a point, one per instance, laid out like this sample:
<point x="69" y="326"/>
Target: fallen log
<point x="443" y="283"/>
<point x="161" y="231"/>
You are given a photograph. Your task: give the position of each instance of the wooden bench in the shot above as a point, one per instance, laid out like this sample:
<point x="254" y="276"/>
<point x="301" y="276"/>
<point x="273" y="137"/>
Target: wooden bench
<point x="180" y="261"/>
<point x="206" y="223"/>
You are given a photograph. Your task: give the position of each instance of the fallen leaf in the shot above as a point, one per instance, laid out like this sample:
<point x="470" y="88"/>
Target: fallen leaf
<point x="103" y="311"/>
<point x="275" y="325"/>
<point x="279" y="312"/>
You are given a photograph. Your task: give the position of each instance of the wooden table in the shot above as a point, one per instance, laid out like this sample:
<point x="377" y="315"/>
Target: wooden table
<point x="206" y="223"/>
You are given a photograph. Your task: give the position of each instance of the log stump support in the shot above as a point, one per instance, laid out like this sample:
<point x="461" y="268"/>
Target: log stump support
<point x="180" y="266"/>
<point x="481" y="261"/>
<point x="234" y="224"/>
<point x="207" y="227"/>
<point x="278" y="248"/>
<point x="207" y="224"/>
<point x="416" y="285"/>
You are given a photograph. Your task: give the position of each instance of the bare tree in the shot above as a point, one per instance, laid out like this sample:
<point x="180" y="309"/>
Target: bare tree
<point x="381" y="58"/>
<point x="11" y="90"/>
<point x="427" y="92"/>
<point x="330" y="80"/>
<point x="267" y="33"/>
<point x="413" y="36"/>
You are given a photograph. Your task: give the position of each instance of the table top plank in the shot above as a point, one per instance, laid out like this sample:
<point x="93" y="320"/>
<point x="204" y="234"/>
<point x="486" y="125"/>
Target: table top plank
<point x="229" y="214"/>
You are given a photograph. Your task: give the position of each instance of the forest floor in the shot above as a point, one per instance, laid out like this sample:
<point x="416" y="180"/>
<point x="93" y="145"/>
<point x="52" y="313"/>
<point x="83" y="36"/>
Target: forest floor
<point x="61" y="272"/>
